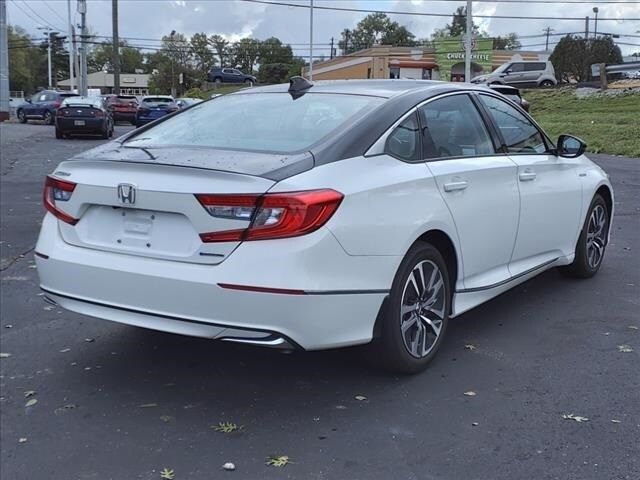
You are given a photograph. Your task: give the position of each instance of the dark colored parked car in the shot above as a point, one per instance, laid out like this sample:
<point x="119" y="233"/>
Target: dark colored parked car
<point x="123" y="107"/>
<point x="153" y="107"/>
<point x="84" y="116"/>
<point x="512" y="93"/>
<point x="184" y="102"/>
<point x="42" y="106"/>
<point x="230" y="75"/>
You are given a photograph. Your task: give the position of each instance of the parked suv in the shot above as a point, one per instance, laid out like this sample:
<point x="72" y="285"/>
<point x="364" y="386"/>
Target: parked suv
<point x="42" y="106"/>
<point x="230" y="75"/>
<point x="123" y="107"/>
<point x="521" y="74"/>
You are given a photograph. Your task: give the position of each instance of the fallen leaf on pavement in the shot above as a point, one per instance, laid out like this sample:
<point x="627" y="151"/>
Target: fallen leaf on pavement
<point x="22" y="440"/>
<point x="615" y="421"/>
<point x="625" y="349"/>
<point x="475" y="424"/>
<point x="470" y="346"/>
<point x="5" y="355"/>
<point x="229" y="466"/>
<point x="29" y="393"/>
<point x="278" y="461"/>
<point x="166" y="418"/>
<point x="89" y="340"/>
<point x="633" y="327"/>
<point x="360" y="398"/>
<point x="470" y="393"/>
<point x="577" y="418"/>
<point x="148" y="405"/>
<point x="167" y="474"/>
<point x="31" y="402"/>
<point x="65" y="350"/>
<point x="226" y="427"/>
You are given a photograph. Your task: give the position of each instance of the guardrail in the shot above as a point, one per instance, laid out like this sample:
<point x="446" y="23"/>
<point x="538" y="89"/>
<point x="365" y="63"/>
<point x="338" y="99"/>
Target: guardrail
<point x="597" y="68"/>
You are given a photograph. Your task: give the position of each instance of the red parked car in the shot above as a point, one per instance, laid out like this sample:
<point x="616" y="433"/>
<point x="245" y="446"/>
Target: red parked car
<point x="123" y="107"/>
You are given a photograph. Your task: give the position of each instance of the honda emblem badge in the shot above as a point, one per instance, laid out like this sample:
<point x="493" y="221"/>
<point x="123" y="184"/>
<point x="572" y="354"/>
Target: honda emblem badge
<point x="127" y="193"/>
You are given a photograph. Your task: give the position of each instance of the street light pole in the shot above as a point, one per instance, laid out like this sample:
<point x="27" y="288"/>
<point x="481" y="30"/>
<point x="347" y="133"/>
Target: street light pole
<point x="311" y="41"/>
<point x="48" y="36"/>
<point x="467" y="43"/>
<point x="595" y="27"/>
<point x="116" y="47"/>
<point x="71" y="47"/>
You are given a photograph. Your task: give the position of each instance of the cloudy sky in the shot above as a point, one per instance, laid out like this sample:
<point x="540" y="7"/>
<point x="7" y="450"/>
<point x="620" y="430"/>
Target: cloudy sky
<point x="148" y="20"/>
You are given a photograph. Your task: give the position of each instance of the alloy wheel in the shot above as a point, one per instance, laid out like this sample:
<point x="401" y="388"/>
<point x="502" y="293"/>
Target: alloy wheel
<point x="47" y="118"/>
<point x="422" y="311"/>
<point x="596" y="236"/>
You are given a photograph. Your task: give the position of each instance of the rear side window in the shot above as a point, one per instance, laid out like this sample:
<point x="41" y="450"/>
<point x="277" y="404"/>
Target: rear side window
<point x="519" y="134"/>
<point x="271" y="122"/>
<point x="453" y="127"/>
<point x="404" y="141"/>
<point x="534" y="67"/>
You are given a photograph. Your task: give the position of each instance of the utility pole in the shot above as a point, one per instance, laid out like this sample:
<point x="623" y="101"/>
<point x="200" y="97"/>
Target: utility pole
<point x="82" y="10"/>
<point x="467" y="43"/>
<point x="116" y="47"/>
<point x="586" y="28"/>
<point x="331" y="55"/>
<point x="71" y="47"/>
<point x="48" y="36"/>
<point x="76" y="60"/>
<point x="311" y="41"/>
<point x="547" y="30"/>
<point x="345" y="51"/>
<point x="595" y="27"/>
<point x="4" y="63"/>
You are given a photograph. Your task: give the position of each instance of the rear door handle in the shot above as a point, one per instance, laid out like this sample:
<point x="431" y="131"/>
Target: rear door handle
<point x="527" y="176"/>
<point x="452" y="186"/>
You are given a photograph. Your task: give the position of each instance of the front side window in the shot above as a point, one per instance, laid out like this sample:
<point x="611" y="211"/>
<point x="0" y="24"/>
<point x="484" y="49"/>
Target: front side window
<point x="404" y="141"/>
<point x="517" y="67"/>
<point x="270" y="122"/>
<point x="519" y="134"/>
<point x="453" y="127"/>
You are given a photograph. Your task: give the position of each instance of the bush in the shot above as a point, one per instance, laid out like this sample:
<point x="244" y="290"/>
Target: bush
<point x="274" y="73"/>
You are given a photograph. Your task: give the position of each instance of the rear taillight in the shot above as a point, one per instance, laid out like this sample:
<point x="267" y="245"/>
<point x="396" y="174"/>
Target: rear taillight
<point x="97" y="113"/>
<point x="58" y="191"/>
<point x="63" y="111"/>
<point x="272" y="215"/>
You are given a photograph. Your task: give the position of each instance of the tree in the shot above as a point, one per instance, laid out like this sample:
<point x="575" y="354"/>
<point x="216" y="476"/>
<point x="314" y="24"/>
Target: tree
<point x="27" y="61"/>
<point x="376" y="28"/>
<point x="203" y="57"/>
<point x="245" y="54"/>
<point x="508" y="42"/>
<point x="101" y="58"/>
<point x="221" y="46"/>
<point x="458" y="26"/>
<point x="573" y="56"/>
<point x="175" y="57"/>
<point x="273" y="51"/>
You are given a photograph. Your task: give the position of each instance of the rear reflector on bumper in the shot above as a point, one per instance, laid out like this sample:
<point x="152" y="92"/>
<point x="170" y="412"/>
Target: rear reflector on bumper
<point x="247" y="288"/>
<point x="272" y="215"/>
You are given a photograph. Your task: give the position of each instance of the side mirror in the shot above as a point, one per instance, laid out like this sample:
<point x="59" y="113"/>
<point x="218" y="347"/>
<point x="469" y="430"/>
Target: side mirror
<point x="570" y="147"/>
<point x="28" y="100"/>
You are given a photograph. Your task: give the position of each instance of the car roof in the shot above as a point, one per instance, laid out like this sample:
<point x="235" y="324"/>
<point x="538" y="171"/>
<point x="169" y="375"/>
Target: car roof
<point x="375" y="88"/>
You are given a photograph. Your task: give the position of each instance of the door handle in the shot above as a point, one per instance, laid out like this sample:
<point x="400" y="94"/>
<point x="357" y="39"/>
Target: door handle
<point x="527" y="176"/>
<point x="452" y="186"/>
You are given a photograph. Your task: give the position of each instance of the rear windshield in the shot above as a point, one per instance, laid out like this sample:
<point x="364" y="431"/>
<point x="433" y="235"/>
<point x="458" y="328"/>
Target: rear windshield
<point x="126" y="100"/>
<point x="95" y="102"/>
<point x="157" y="100"/>
<point x="272" y="122"/>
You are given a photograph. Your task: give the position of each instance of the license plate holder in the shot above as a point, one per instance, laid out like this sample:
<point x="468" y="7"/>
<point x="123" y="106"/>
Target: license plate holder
<point x="79" y="123"/>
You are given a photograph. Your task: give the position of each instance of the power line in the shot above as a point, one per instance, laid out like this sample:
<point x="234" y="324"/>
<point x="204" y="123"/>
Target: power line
<point x="424" y="14"/>
<point x="42" y="20"/>
<point x="46" y="4"/>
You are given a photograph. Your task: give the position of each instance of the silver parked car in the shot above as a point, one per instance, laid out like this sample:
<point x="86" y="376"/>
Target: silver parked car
<point x="521" y="74"/>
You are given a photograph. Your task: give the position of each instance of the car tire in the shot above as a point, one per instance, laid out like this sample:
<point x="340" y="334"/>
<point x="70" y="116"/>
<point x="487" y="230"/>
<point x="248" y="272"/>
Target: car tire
<point x="22" y="118"/>
<point x="59" y="134"/>
<point x="48" y="118"/>
<point x="217" y="80"/>
<point x="592" y="242"/>
<point x="248" y="82"/>
<point x="546" y="84"/>
<point x="415" y="316"/>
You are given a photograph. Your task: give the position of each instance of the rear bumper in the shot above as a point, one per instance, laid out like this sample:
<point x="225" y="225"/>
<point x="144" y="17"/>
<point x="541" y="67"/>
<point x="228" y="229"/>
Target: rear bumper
<point x="91" y="124"/>
<point x="145" y="120"/>
<point x="124" y="116"/>
<point x="343" y="293"/>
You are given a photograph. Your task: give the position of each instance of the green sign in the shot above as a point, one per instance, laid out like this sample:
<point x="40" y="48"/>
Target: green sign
<point x="450" y="51"/>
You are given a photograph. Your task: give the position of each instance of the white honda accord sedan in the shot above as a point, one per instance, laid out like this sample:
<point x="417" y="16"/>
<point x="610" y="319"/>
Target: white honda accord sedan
<point x="321" y="215"/>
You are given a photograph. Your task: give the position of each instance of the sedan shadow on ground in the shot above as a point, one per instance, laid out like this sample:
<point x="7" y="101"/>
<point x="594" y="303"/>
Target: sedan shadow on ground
<point x="223" y="373"/>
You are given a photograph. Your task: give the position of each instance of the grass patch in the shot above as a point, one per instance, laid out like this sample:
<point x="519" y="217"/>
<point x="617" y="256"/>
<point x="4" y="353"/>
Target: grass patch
<point x="608" y="124"/>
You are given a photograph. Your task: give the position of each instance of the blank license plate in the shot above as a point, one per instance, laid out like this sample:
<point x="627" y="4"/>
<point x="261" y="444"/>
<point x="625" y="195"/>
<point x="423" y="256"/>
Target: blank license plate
<point x="79" y="123"/>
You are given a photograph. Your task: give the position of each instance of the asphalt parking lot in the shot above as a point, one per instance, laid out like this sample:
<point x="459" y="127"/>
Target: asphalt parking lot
<point x="116" y="402"/>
